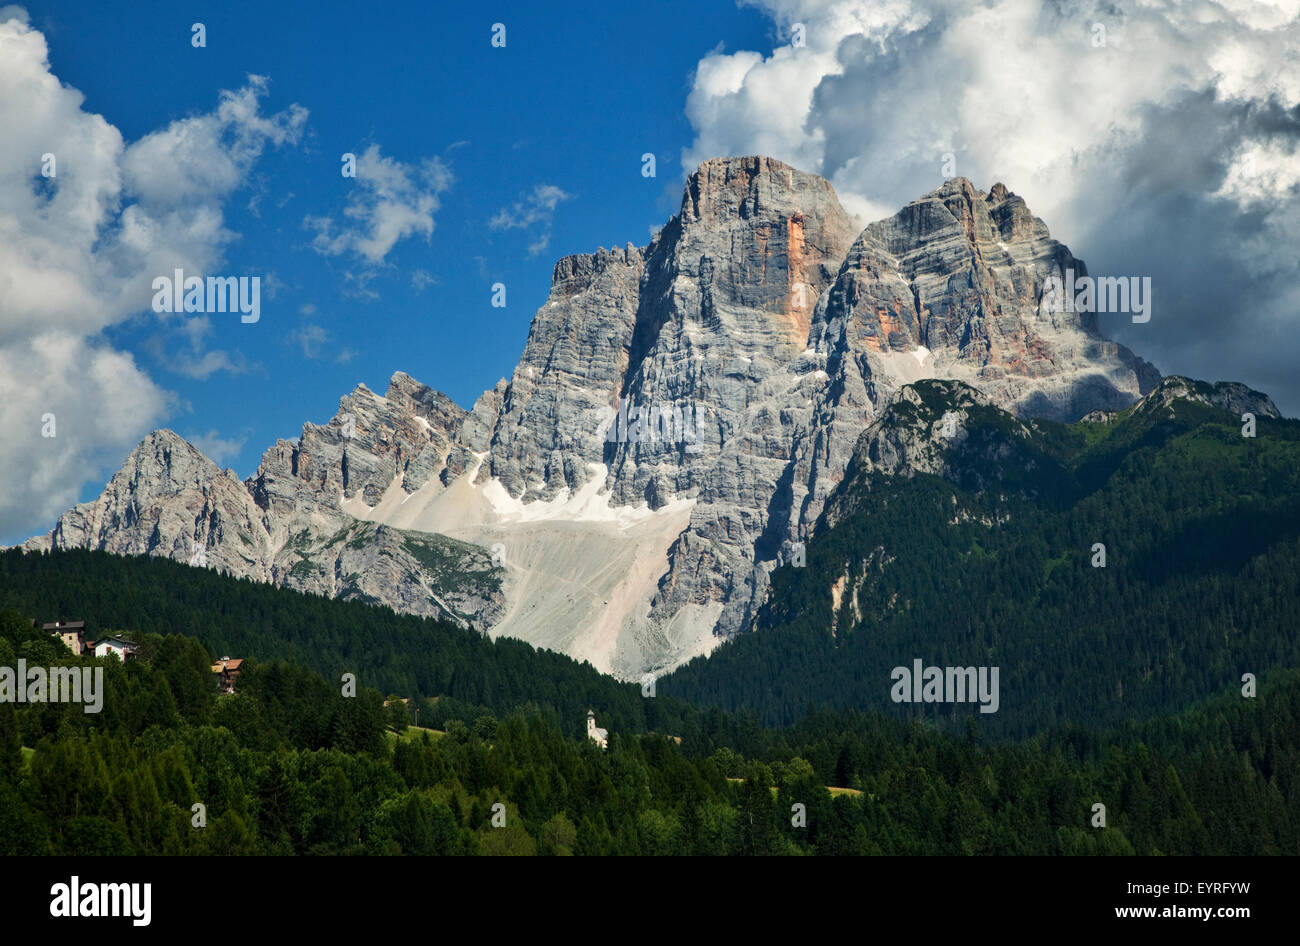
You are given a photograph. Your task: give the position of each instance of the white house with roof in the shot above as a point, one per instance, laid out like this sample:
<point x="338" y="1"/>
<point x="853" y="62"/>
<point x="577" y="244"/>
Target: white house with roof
<point x="119" y="647"/>
<point x="597" y="735"/>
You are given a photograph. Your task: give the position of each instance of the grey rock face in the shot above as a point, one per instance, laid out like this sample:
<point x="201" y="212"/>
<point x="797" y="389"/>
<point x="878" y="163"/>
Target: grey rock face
<point x="730" y="291"/>
<point x="951" y="286"/>
<point x="287" y="524"/>
<point x="572" y="366"/>
<point x="168" y="499"/>
<point x="416" y="573"/>
<point x="976" y="265"/>
<point x="698" y="399"/>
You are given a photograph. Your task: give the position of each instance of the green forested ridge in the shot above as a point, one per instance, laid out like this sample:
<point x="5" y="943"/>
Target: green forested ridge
<point x="394" y="653"/>
<point x="992" y="566"/>
<point x="287" y="765"/>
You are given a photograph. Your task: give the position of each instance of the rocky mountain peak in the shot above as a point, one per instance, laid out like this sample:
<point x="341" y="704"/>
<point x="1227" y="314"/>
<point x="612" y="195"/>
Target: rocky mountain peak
<point x="726" y="189"/>
<point x="680" y="413"/>
<point x="169" y="499"/>
<point x="959" y="210"/>
<point x="571" y="273"/>
<point x="166" y="450"/>
<point x="1226" y="395"/>
<point x="440" y="412"/>
<point x="916" y="432"/>
<point x="164" y="462"/>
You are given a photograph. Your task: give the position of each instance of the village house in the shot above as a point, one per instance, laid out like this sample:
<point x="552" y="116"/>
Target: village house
<point x="119" y="647"/>
<point x="72" y="633"/>
<point x="597" y="735"/>
<point x="227" y="670"/>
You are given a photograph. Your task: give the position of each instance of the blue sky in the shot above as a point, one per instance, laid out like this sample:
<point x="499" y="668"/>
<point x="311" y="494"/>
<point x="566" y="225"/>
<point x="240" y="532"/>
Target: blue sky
<point x="571" y="102"/>
<point x="1169" y="149"/>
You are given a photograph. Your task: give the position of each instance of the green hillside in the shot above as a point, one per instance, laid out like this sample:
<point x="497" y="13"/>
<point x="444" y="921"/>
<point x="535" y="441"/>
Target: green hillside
<point x="394" y="653"/>
<point x="287" y="765"/>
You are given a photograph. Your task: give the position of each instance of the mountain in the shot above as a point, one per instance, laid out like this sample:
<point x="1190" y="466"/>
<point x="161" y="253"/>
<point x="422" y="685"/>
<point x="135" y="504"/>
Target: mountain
<point x="965" y="536"/>
<point x="288" y="525"/>
<point x="681" y="413"/>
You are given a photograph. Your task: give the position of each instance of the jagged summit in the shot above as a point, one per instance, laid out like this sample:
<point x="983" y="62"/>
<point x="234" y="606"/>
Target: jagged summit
<point x="680" y="412"/>
<point x="1225" y="395"/>
<point x="722" y="189"/>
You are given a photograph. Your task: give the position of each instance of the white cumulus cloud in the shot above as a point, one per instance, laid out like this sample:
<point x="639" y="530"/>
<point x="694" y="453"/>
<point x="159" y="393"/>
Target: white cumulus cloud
<point x="79" y="248"/>
<point x="390" y="202"/>
<point x="534" y="212"/>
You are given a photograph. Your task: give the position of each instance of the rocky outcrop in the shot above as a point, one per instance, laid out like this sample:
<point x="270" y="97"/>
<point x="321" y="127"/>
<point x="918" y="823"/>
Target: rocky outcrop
<point x="570" y="373"/>
<point x="1224" y="395"/>
<point x="287" y="524"/>
<point x="924" y="430"/>
<point x="168" y="499"/>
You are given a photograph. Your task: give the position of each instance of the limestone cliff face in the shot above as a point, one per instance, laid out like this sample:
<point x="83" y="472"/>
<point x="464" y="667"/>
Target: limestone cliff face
<point x="573" y="365"/>
<point x="681" y="412"/>
<point x="287" y="524"/>
<point x="168" y="499"/>
<point x="976" y="265"/>
<point x="815" y="332"/>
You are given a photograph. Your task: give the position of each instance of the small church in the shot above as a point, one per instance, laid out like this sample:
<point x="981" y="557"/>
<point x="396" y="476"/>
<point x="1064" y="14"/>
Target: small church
<point x="597" y="735"/>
